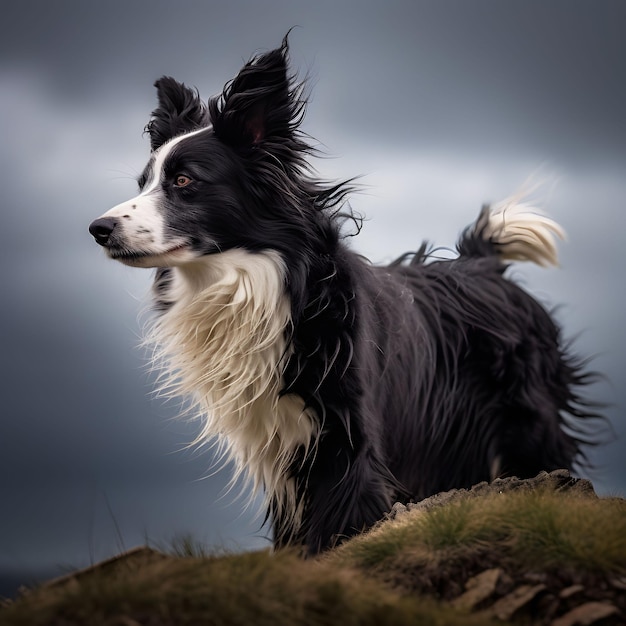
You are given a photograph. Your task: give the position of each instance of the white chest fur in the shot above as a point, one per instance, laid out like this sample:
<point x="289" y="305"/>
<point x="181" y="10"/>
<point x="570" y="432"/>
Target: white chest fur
<point x="223" y="344"/>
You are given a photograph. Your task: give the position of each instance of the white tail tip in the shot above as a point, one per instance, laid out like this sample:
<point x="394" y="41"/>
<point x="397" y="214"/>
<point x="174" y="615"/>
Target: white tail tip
<point x="520" y="232"/>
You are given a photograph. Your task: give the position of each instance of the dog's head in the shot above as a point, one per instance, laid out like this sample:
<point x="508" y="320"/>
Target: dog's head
<point x="214" y="171"/>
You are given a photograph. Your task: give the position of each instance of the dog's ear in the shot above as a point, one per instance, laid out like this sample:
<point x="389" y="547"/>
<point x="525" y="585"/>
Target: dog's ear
<point x="259" y="105"/>
<point x="180" y="110"/>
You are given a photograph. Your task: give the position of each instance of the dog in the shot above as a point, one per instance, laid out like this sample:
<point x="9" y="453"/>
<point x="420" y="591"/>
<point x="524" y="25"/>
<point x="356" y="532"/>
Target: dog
<point x="335" y="386"/>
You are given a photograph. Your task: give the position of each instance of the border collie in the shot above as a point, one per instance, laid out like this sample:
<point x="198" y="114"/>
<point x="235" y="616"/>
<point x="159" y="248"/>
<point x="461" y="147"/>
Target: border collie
<point x="335" y="386"/>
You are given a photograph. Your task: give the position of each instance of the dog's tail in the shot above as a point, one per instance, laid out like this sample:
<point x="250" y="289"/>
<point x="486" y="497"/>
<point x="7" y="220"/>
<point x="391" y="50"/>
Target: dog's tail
<point x="513" y="231"/>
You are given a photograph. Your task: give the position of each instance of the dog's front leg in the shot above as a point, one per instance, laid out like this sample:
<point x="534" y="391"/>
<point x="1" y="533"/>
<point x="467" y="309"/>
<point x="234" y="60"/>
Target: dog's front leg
<point x="345" y="503"/>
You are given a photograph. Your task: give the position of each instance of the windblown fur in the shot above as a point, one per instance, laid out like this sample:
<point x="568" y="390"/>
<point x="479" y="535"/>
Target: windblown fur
<point x="337" y="387"/>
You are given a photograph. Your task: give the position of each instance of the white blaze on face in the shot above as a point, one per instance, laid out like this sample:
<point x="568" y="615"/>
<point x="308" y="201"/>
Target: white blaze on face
<point x="142" y="222"/>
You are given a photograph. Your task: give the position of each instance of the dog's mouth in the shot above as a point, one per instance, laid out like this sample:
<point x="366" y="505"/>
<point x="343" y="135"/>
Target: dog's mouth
<point x="151" y="258"/>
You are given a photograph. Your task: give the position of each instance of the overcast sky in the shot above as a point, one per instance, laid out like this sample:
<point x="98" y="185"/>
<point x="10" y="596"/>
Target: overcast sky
<point x="441" y="104"/>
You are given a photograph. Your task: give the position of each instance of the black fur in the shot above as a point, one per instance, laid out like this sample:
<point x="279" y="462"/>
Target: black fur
<point x="424" y="374"/>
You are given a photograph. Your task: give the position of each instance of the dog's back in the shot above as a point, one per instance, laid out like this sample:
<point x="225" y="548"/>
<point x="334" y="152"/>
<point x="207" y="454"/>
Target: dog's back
<point x="494" y="388"/>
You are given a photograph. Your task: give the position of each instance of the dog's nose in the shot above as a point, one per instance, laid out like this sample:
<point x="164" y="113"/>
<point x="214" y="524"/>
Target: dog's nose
<point x="102" y="228"/>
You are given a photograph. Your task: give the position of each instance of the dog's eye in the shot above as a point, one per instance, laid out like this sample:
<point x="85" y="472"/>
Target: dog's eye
<point x="181" y="180"/>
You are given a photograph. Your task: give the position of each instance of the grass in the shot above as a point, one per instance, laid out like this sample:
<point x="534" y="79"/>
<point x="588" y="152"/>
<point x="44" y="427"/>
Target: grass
<point x="253" y="588"/>
<point x="371" y="579"/>
<point x="532" y="529"/>
<point x="185" y="545"/>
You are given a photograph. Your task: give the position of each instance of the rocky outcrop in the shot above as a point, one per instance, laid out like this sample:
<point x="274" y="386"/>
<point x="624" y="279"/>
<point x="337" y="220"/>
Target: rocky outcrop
<point x="558" y="480"/>
<point x="568" y="599"/>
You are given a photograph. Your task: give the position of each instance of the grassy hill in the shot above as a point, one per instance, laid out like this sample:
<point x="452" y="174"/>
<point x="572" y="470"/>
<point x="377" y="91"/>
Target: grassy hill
<point x="545" y="551"/>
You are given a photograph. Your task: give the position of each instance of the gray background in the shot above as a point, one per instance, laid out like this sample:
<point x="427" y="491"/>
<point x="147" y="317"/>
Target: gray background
<point x="440" y="104"/>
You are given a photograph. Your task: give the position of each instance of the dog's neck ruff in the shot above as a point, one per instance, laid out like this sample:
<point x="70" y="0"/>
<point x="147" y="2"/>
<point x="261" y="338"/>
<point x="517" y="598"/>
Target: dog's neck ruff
<point x="223" y="342"/>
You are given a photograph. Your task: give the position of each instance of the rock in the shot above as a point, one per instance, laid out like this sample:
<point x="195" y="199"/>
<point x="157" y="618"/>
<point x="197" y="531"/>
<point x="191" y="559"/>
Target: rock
<point x="478" y="589"/>
<point x="568" y="592"/>
<point x="439" y="500"/>
<point x="558" y="480"/>
<point x="586" y="614"/>
<point x="127" y="621"/>
<point x="561" y="480"/>
<point x="397" y="510"/>
<point x="506" y="607"/>
<point x="535" y="577"/>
